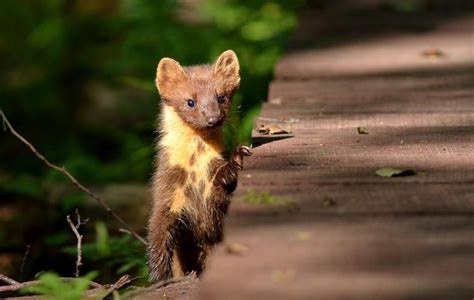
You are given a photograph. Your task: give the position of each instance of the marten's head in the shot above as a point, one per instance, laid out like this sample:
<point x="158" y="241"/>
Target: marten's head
<point x="201" y="95"/>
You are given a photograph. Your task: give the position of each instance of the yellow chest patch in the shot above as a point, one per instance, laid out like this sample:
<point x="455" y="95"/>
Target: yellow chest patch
<point x="187" y="149"/>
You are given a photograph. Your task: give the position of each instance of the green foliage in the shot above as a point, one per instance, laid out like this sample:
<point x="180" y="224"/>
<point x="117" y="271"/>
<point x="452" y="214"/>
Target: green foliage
<point x="120" y="255"/>
<point x="77" y="80"/>
<point x="405" y="6"/>
<point x="58" y="238"/>
<point x="79" y="76"/>
<point x="72" y="200"/>
<point x="53" y="287"/>
<point x="24" y="184"/>
<point x="102" y="239"/>
<point x="264" y="197"/>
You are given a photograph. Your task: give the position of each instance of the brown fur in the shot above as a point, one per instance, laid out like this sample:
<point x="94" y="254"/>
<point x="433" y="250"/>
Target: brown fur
<point x="193" y="181"/>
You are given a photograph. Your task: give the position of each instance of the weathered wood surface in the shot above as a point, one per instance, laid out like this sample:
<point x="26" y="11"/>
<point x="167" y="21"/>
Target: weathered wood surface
<point x="340" y="231"/>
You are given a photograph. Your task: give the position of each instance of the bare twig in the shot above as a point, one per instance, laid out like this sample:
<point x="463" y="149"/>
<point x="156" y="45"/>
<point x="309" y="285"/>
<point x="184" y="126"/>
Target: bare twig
<point x="6" y="124"/>
<point x="15" y="285"/>
<point x="125" y="279"/>
<point x="79" y="242"/>
<point x="8" y="279"/>
<point x="23" y="261"/>
<point x="190" y="278"/>
<point x="123" y="230"/>
<point x="79" y="222"/>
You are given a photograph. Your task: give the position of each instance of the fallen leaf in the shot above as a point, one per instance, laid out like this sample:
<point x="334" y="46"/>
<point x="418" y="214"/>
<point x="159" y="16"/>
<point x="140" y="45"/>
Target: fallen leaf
<point x="303" y="235"/>
<point x="275" y="101"/>
<point x="272" y="129"/>
<point x="362" y="130"/>
<point x="298" y="164"/>
<point x="283" y="276"/>
<point x="328" y="202"/>
<point x="235" y="249"/>
<point x="391" y="172"/>
<point x="432" y="52"/>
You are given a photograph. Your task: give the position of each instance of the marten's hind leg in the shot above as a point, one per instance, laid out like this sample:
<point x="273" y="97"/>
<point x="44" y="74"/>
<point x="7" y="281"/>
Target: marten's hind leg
<point x="191" y="254"/>
<point x="161" y="245"/>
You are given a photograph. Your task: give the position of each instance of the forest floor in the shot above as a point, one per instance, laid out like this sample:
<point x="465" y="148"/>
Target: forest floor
<point x="330" y="227"/>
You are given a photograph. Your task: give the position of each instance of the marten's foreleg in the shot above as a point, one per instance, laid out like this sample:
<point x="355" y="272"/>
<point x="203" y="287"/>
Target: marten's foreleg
<point x="227" y="175"/>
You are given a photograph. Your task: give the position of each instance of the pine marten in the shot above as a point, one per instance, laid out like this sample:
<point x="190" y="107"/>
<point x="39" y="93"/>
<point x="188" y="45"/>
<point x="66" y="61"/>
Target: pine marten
<point x="193" y="180"/>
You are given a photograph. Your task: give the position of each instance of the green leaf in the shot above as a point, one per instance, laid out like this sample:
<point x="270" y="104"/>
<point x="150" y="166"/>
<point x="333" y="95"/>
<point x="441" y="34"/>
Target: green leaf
<point x="54" y="287"/>
<point x="82" y="283"/>
<point x="102" y="239"/>
<point x="391" y="172"/>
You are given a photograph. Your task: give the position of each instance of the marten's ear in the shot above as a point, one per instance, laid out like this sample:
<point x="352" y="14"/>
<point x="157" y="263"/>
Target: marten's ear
<point x="169" y="75"/>
<point x="227" y="67"/>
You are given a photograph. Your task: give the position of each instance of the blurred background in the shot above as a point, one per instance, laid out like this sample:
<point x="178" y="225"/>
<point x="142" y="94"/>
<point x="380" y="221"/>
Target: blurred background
<point x="77" y="80"/>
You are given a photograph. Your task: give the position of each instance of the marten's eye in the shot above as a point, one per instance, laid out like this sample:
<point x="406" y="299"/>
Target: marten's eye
<point x="190" y="103"/>
<point x="221" y="99"/>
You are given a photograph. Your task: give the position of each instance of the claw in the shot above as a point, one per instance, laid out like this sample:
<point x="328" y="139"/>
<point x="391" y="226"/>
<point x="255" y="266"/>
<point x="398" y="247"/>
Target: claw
<point x="229" y="174"/>
<point x="244" y="150"/>
<point x="238" y="165"/>
<point x="224" y="181"/>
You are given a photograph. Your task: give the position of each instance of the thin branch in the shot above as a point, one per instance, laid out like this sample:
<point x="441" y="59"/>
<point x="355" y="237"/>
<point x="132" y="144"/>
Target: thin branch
<point x="23" y="261"/>
<point x="8" y="279"/>
<point x="79" y="242"/>
<point x="125" y="279"/>
<point x="123" y="230"/>
<point x="79" y="222"/>
<point x="160" y="284"/>
<point x="6" y="124"/>
<point x="15" y="285"/>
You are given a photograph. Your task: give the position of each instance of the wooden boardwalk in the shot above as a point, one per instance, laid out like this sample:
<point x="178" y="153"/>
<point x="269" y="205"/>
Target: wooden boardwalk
<point x="336" y="230"/>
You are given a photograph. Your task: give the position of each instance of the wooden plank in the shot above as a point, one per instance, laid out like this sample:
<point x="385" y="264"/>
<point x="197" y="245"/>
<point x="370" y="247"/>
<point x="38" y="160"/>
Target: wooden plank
<point x="306" y="120"/>
<point x="394" y="54"/>
<point x="361" y="257"/>
<point x="451" y="92"/>
<point x="446" y="154"/>
<point x="335" y="229"/>
<point x="309" y="198"/>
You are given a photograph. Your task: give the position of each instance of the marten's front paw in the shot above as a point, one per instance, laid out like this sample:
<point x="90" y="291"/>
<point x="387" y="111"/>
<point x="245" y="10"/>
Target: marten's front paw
<point x="228" y="175"/>
<point x="238" y="155"/>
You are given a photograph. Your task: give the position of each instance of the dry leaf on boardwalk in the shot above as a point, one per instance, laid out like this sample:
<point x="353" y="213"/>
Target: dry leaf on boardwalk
<point x="433" y="53"/>
<point x="275" y="101"/>
<point x="362" y="130"/>
<point x="272" y="129"/>
<point x="303" y="235"/>
<point x="328" y="202"/>
<point x="391" y="172"/>
<point x="283" y="276"/>
<point x="235" y="248"/>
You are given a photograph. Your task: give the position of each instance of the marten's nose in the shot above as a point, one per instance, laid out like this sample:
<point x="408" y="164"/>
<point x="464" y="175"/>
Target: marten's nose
<point x="211" y="122"/>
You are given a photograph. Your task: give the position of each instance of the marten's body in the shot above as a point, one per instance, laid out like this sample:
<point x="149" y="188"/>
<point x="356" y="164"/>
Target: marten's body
<point x="193" y="180"/>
